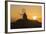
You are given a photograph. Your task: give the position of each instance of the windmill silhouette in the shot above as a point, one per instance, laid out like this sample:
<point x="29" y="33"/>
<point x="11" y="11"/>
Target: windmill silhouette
<point x="25" y="23"/>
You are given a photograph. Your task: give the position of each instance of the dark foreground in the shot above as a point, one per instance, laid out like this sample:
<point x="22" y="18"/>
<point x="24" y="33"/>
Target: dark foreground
<point x="25" y="24"/>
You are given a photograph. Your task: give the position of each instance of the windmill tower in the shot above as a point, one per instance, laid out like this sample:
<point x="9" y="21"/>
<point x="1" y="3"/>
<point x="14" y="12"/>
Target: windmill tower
<point x="24" y="13"/>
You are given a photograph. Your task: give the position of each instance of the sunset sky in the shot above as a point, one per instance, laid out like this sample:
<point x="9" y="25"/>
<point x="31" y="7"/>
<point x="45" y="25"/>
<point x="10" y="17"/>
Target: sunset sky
<point x="32" y="12"/>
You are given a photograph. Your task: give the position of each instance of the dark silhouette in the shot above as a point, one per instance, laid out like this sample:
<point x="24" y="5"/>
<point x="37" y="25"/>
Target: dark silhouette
<point x="25" y="23"/>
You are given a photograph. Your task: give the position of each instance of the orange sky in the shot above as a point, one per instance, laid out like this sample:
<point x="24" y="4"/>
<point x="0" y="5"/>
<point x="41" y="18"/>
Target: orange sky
<point x="33" y="12"/>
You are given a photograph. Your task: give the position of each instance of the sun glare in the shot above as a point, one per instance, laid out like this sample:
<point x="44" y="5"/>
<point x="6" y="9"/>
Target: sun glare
<point x="34" y="17"/>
